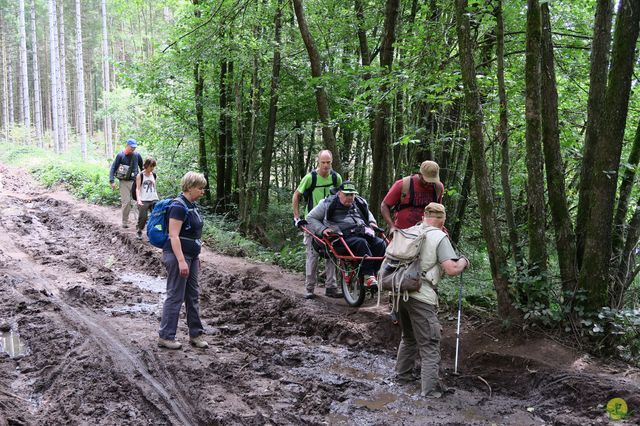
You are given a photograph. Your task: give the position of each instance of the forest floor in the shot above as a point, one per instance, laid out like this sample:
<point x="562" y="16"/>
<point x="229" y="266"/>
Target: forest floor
<point x="80" y="300"/>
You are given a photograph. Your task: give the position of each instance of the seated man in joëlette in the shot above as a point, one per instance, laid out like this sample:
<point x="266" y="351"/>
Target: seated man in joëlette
<point x="348" y="214"/>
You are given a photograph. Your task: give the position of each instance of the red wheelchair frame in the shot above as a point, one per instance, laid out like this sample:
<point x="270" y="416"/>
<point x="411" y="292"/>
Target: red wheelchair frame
<point x="349" y="277"/>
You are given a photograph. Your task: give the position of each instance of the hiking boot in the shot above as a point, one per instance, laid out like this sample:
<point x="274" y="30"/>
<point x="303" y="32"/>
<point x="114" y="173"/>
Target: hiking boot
<point x="139" y="235"/>
<point x="434" y="394"/>
<point x="370" y="281"/>
<point x="405" y="380"/>
<point x="309" y="295"/>
<point x="333" y="292"/>
<point x="199" y="342"/>
<point x="169" y="344"/>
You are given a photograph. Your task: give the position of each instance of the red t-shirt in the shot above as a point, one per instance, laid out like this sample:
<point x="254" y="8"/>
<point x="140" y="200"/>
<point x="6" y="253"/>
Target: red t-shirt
<point x="424" y="194"/>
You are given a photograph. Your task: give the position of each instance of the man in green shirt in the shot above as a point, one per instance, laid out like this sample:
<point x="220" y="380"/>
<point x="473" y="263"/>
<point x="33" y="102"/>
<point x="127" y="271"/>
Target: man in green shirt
<point x="315" y="187"/>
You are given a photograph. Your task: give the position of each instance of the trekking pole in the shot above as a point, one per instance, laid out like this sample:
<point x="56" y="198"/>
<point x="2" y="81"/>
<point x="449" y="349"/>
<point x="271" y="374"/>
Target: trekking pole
<point x="455" y="367"/>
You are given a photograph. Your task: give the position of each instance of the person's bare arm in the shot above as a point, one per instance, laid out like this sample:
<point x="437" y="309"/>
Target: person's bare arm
<point x="385" y="211"/>
<point x="138" y="185"/>
<point x="174" y="236"/>
<point x="295" y="204"/>
<point x="454" y="267"/>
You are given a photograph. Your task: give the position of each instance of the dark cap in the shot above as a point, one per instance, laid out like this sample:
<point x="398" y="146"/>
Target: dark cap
<point x="348" y="187"/>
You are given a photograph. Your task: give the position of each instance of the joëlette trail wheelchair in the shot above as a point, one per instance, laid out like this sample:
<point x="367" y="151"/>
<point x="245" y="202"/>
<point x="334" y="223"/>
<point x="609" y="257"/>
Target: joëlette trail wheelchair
<point x="348" y="274"/>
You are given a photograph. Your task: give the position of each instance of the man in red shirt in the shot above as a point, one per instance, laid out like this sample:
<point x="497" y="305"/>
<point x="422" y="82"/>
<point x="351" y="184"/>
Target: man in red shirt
<point x="408" y="197"/>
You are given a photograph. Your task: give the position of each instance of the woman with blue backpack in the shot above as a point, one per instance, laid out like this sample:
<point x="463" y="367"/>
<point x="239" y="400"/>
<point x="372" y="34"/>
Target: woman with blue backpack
<point x="180" y="255"/>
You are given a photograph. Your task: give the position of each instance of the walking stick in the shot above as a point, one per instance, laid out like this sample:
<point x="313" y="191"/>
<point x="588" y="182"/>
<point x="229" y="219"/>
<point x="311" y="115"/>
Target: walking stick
<point x="455" y="368"/>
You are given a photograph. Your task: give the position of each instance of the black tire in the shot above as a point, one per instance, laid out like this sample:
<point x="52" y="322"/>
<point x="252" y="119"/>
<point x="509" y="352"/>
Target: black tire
<point x="353" y="289"/>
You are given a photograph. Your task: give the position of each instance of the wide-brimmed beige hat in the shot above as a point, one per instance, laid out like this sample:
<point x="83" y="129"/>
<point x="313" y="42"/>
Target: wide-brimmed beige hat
<point x="435" y="210"/>
<point x="430" y="171"/>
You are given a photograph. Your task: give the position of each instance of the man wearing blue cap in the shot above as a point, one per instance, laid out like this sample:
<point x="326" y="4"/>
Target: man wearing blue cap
<point x="125" y="167"/>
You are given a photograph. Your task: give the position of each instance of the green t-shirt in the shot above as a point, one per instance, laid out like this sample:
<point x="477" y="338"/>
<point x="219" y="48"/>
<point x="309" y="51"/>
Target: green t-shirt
<point x="320" y="192"/>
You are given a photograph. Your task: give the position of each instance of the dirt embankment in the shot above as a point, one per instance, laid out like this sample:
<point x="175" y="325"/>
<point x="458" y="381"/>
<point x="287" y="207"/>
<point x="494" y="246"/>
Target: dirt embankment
<point x="84" y="296"/>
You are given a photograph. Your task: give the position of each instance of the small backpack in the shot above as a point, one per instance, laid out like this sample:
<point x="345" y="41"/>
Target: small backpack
<point x="158" y="225"/>
<point x="401" y="271"/>
<point x="308" y="193"/>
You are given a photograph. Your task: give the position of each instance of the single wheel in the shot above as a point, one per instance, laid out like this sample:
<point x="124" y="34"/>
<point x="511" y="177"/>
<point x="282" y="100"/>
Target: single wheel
<point x="352" y="285"/>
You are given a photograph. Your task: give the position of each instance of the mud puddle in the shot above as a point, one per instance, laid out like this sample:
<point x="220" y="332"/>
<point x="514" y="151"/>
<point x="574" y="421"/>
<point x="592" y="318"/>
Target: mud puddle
<point x="12" y="344"/>
<point x="145" y="282"/>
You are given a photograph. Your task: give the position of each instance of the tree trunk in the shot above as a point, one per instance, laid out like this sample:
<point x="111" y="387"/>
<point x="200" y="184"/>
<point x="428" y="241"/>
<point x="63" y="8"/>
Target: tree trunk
<point x="628" y="179"/>
<point x="624" y="274"/>
<point x="322" y="100"/>
<point x="37" y="95"/>
<point x="595" y="107"/>
<point x="267" y="151"/>
<point x="535" y="177"/>
<point x="490" y="226"/>
<point x="108" y="141"/>
<point x="53" y="48"/>
<point x="565" y="239"/>
<point x="222" y="139"/>
<point x="380" y="151"/>
<point x="24" y="75"/>
<point x="594" y="275"/>
<point x="82" y="119"/>
<point x="503" y="138"/>
<point x="229" y="150"/>
<point x="198" y="91"/>
<point x="64" y="98"/>
<point x="5" y="83"/>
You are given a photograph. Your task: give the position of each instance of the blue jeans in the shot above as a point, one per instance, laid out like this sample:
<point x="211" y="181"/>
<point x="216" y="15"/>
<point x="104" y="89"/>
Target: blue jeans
<point x="181" y="289"/>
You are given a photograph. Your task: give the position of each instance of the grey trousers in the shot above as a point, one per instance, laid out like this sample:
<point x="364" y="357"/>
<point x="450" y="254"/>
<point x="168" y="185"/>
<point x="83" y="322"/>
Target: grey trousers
<point x="311" y="267"/>
<point x="421" y="334"/>
<point x="125" y="199"/>
<point x="181" y="289"/>
<point x="143" y="213"/>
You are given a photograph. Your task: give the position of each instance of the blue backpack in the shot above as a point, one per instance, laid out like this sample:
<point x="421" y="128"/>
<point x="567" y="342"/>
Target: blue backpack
<point x="158" y="225"/>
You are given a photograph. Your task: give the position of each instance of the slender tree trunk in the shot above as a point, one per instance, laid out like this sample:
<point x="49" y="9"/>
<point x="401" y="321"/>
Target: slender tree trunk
<point x="24" y="74"/>
<point x="199" y="104"/>
<point x="628" y="179"/>
<point x="321" y="94"/>
<point x="624" y="274"/>
<point x="64" y="97"/>
<point x="267" y="151"/>
<point x="222" y="139"/>
<point x="229" y="149"/>
<point x="55" y="125"/>
<point x="380" y="151"/>
<point x="37" y="95"/>
<point x="503" y="138"/>
<point x="490" y="227"/>
<point x="619" y="222"/>
<point x="365" y="59"/>
<point x="108" y="141"/>
<point x="12" y="109"/>
<point x="535" y="177"/>
<point x="565" y="239"/>
<point x="82" y="119"/>
<point x="594" y="275"/>
<point x="464" y="199"/>
<point x="595" y="108"/>
<point x="5" y="84"/>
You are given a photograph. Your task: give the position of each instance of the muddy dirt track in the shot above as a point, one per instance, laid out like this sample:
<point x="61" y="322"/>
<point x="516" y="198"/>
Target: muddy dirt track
<point x="84" y="297"/>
